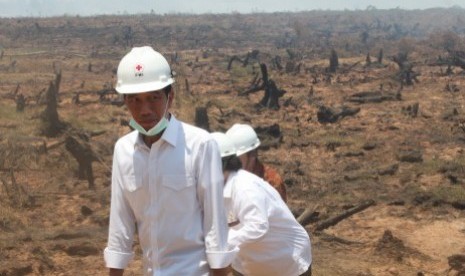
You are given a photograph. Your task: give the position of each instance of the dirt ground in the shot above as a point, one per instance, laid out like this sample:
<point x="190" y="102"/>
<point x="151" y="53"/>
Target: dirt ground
<point x="400" y="147"/>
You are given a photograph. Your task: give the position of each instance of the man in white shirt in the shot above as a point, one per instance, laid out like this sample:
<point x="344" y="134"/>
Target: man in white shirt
<point x="270" y="240"/>
<point x="167" y="181"/>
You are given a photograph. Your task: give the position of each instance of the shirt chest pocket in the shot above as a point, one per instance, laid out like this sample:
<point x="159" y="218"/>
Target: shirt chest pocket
<point x="179" y="192"/>
<point x="177" y="182"/>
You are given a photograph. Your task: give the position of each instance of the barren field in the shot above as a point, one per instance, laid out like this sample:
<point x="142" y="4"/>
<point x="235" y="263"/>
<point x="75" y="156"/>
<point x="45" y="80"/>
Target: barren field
<point x="364" y="120"/>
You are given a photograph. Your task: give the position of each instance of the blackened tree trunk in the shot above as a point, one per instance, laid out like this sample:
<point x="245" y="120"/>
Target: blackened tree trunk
<point x="272" y="93"/>
<point x="78" y="146"/>
<point x="333" y="61"/>
<point x="52" y="126"/>
<point x="380" y="56"/>
<point x="201" y="118"/>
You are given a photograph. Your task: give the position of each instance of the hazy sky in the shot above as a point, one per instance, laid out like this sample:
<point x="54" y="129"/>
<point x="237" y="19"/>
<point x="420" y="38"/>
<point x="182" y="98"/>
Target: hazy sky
<point x="13" y="8"/>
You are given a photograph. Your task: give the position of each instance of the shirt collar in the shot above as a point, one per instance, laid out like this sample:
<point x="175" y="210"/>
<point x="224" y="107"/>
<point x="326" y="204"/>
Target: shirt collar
<point x="170" y="134"/>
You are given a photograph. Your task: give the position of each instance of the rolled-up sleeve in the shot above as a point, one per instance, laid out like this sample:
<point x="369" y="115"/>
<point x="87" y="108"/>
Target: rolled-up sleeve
<point x="119" y="252"/>
<point x="210" y="191"/>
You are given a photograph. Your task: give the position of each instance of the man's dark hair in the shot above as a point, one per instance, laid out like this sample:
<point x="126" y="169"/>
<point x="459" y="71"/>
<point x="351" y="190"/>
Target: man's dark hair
<point x="168" y="89"/>
<point x="231" y="163"/>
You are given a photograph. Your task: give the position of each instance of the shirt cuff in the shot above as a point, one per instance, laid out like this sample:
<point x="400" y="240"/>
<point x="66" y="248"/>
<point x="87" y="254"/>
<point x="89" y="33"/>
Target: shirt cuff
<point x="118" y="260"/>
<point x="221" y="259"/>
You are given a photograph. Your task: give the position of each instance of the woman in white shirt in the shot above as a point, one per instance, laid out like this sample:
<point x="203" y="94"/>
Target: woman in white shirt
<point x="270" y="240"/>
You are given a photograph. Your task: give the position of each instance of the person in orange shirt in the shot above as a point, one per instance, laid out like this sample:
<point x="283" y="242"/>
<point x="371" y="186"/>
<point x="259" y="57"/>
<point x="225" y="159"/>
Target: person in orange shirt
<point x="246" y="141"/>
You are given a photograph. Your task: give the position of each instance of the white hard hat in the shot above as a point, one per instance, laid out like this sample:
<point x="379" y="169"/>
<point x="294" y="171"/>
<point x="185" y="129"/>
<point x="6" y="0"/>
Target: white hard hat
<point x="143" y="70"/>
<point x="244" y="137"/>
<point x="224" y="143"/>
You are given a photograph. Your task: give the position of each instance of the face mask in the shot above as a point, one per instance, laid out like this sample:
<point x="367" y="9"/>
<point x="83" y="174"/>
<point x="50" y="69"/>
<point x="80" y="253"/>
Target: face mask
<point x="159" y="127"/>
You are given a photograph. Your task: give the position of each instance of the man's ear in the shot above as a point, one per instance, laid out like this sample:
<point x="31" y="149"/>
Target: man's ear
<point x="170" y="97"/>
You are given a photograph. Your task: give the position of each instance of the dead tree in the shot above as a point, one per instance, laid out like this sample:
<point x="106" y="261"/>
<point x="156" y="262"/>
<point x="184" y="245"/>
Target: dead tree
<point x="335" y="220"/>
<point x="79" y="147"/>
<point x="272" y="95"/>
<point x="308" y="216"/>
<point x="458" y="59"/>
<point x="76" y="98"/>
<point x="233" y="58"/>
<point x="277" y="63"/>
<point x="128" y="36"/>
<point x="272" y="92"/>
<point x="20" y="102"/>
<point x="52" y="125"/>
<point x="270" y="136"/>
<point x="368" y="60"/>
<point x="333" y="61"/>
<point x="374" y="97"/>
<point x="109" y="95"/>
<point x="332" y="115"/>
<point x="188" y="90"/>
<point x="201" y="118"/>
<point x="18" y="86"/>
<point x="454" y="58"/>
<point x="406" y="74"/>
<point x="380" y="56"/>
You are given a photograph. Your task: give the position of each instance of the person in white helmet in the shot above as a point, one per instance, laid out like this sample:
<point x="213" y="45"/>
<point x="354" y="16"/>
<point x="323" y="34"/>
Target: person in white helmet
<point x="247" y="142"/>
<point x="270" y="240"/>
<point x="167" y="182"/>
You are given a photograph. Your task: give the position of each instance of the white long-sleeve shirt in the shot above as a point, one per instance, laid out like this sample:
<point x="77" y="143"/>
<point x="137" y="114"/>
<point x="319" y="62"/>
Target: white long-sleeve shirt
<point x="270" y="240"/>
<point x="172" y="194"/>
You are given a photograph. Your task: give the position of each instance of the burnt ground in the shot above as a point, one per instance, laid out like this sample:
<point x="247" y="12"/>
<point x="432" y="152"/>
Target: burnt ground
<point x="339" y="139"/>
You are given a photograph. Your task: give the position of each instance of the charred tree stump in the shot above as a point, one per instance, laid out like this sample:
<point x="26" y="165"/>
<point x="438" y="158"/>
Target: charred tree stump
<point x="201" y="118"/>
<point x="333" y="61"/>
<point x="332" y="115"/>
<point x="75" y="99"/>
<point x="374" y="97"/>
<point x="79" y="147"/>
<point x="270" y="136"/>
<point x="20" y="102"/>
<point x="368" y="60"/>
<point x="406" y="74"/>
<point x="380" y="56"/>
<point x="272" y="93"/>
<point x="188" y="90"/>
<point x="277" y="63"/>
<point x="52" y="124"/>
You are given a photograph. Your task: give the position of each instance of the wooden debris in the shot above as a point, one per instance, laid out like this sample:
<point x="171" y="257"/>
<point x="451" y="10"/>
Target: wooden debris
<point x="335" y="220"/>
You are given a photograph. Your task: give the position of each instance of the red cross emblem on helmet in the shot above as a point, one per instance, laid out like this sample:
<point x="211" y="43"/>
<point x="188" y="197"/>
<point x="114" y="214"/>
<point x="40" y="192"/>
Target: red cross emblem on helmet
<point x="139" y="67"/>
<point x="139" y="70"/>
